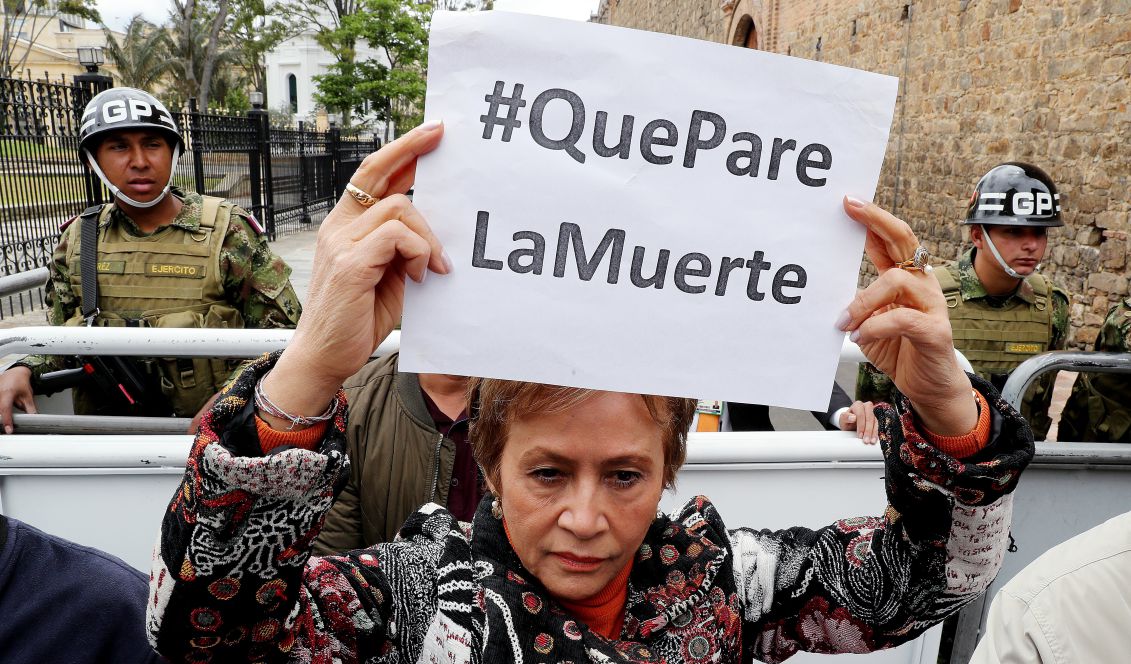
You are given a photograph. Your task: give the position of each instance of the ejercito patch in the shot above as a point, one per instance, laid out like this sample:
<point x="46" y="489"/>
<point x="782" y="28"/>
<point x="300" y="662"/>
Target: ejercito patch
<point x="1030" y="349"/>
<point x="173" y="270"/>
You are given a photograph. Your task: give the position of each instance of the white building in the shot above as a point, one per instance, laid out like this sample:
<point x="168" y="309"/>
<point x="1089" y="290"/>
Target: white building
<point x="291" y="68"/>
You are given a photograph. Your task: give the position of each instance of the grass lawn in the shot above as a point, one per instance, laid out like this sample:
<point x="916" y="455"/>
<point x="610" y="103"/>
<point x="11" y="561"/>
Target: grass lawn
<point x="21" y="189"/>
<point x="14" y="148"/>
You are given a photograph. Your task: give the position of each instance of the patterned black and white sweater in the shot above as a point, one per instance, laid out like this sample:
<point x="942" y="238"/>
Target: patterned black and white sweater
<point x="233" y="579"/>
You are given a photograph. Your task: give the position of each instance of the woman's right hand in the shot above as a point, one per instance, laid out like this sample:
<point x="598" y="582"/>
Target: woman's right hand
<point x="357" y="286"/>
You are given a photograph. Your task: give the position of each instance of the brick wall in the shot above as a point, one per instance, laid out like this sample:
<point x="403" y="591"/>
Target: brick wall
<point x="982" y="82"/>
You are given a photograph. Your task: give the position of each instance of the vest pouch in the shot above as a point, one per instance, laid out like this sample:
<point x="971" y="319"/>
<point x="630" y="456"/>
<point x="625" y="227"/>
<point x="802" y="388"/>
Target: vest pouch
<point x="226" y="317"/>
<point x="188" y="382"/>
<point x="1112" y="420"/>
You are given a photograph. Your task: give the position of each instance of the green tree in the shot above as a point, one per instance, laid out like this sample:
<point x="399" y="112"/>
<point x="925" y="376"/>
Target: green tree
<point x="199" y="47"/>
<point x="325" y="20"/>
<point x="25" y="21"/>
<point x="386" y="88"/>
<point x="142" y="57"/>
<point x="253" y="33"/>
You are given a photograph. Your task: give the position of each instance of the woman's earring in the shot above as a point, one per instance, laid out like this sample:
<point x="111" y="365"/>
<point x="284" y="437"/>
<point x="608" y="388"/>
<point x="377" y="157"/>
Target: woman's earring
<point x="496" y="508"/>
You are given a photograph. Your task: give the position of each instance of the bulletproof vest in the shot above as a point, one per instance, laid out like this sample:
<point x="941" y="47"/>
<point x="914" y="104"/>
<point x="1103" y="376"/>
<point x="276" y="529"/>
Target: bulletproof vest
<point x="997" y="339"/>
<point x="169" y="279"/>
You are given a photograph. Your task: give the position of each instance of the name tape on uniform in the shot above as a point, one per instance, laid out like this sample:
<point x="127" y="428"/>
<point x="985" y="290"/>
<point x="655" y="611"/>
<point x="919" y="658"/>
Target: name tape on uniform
<point x="639" y="212"/>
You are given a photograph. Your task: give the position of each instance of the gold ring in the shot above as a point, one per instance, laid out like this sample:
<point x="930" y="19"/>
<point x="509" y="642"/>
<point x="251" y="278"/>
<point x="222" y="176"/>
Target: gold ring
<point x="365" y="199"/>
<point x="917" y="261"/>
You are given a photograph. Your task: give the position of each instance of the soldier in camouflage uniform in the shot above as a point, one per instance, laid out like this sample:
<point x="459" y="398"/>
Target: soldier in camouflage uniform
<point x="1099" y="408"/>
<point x="1002" y="310"/>
<point x="165" y="258"/>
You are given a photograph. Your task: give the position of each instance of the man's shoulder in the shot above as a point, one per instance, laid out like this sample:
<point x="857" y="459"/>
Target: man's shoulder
<point x="76" y="559"/>
<point x="1090" y="557"/>
<point x="379" y="369"/>
<point x="240" y="218"/>
<point x="92" y="210"/>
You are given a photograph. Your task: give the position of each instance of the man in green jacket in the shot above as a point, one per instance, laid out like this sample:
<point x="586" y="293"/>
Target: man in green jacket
<point x="1099" y="408"/>
<point x="407" y="443"/>
<point x="160" y="257"/>
<point x="1002" y="310"/>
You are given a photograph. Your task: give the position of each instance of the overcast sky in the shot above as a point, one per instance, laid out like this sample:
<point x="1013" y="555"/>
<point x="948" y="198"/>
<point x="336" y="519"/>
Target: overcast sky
<point x="117" y="13"/>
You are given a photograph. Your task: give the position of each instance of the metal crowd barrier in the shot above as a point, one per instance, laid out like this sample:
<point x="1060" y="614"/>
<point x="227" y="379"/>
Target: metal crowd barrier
<point x="14" y="284"/>
<point x="1071" y="487"/>
<point x="167" y="342"/>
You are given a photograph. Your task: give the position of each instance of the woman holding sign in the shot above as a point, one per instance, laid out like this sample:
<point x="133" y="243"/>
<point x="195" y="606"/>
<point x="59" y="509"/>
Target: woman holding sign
<point x="567" y="559"/>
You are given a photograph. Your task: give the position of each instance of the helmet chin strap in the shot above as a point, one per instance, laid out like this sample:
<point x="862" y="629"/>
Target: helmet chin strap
<point x="1001" y="261"/>
<point x="118" y="192"/>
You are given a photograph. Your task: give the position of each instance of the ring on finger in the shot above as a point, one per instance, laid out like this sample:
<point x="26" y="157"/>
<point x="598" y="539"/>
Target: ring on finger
<point x="362" y="197"/>
<point x="917" y="262"/>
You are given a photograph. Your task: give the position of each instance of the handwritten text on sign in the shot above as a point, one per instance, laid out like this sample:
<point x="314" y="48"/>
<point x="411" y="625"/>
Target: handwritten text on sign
<point x="638" y="212"/>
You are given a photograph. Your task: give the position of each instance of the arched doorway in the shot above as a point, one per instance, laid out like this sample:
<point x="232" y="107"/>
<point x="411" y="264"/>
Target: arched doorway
<point x="746" y="33"/>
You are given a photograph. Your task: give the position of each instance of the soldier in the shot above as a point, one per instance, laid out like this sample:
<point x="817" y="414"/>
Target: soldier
<point x="1002" y="309"/>
<point x="155" y="257"/>
<point x="1099" y="408"/>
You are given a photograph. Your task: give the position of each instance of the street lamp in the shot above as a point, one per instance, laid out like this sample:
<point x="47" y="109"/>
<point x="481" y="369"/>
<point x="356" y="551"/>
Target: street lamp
<point x="91" y="57"/>
<point x="92" y="81"/>
<point x="256" y="99"/>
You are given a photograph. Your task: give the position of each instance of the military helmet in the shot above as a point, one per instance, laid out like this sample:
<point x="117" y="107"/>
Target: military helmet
<point x="1015" y="194"/>
<point x="125" y="108"/>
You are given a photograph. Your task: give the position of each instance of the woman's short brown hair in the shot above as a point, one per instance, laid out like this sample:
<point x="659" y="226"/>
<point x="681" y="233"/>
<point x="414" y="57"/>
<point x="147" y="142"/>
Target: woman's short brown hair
<point x="495" y="404"/>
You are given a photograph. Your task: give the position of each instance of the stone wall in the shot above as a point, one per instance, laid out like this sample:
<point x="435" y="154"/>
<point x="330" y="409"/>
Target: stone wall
<point x="982" y="82"/>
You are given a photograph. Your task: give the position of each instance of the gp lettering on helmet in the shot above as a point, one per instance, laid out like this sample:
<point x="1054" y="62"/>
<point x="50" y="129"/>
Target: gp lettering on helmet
<point x="1014" y="194"/>
<point x="121" y="110"/>
<point x="1020" y="203"/>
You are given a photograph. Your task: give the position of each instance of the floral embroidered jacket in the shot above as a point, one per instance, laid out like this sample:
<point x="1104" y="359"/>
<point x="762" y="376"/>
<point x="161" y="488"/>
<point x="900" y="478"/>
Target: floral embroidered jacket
<point x="233" y="579"/>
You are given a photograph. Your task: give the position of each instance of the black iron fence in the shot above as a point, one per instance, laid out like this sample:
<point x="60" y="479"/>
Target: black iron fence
<point x="288" y="177"/>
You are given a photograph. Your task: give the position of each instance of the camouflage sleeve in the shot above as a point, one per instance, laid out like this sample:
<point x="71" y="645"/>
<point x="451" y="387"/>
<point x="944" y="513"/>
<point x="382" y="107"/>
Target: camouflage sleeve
<point x="62" y="302"/>
<point x="1115" y="335"/>
<point x="1096" y="410"/>
<point x="874" y="385"/>
<point x="256" y="280"/>
<point x="1060" y="324"/>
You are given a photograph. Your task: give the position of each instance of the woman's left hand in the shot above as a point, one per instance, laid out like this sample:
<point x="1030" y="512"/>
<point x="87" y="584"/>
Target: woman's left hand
<point x="901" y="324"/>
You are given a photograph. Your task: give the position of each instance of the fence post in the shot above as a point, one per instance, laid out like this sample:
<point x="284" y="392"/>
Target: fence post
<point x="86" y="86"/>
<point x="302" y="173"/>
<point x="334" y="139"/>
<point x="196" y="135"/>
<point x="255" y="157"/>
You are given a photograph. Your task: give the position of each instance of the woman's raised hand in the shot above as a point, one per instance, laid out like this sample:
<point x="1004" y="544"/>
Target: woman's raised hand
<point x="901" y="324"/>
<point x="361" y="260"/>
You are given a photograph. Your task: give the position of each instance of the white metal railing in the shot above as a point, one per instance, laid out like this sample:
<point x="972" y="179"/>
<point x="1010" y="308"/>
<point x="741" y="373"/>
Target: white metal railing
<point x="153" y="341"/>
<point x="20" y="282"/>
<point x="202" y="342"/>
<point x="1060" y="360"/>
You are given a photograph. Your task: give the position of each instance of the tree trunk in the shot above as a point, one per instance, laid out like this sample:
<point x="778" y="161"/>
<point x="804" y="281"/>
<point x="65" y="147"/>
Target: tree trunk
<point x="211" y="52"/>
<point x="186" y="11"/>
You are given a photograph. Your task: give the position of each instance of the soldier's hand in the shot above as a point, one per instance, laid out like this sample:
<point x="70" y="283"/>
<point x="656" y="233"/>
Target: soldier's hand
<point x="901" y="324"/>
<point x="361" y="260"/>
<point x="15" y="390"/>
<point x="861" y="418"/>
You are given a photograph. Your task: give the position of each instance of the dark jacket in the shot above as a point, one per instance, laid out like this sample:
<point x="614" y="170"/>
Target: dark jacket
<point x="64" y="602"/>
<point x="233" y="580"/>
<point x="400" y="461"/>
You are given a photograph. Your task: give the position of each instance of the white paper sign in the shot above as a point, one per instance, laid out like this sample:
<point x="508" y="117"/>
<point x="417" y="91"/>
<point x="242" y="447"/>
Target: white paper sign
<point x="638" y="212"/>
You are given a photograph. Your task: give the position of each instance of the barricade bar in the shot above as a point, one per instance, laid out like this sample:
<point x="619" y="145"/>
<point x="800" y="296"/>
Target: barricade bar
<point x="153" y="341"/>
<point x="1060" y="360"/>
<point x="99" y="424"/>
<point x="14" y="284"/>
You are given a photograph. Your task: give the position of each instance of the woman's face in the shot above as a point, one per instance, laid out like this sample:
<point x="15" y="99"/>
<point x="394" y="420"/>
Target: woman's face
<point x="579" y="489"/>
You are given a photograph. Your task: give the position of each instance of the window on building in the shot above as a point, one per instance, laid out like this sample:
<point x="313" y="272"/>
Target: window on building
<point x="292" y="92"/>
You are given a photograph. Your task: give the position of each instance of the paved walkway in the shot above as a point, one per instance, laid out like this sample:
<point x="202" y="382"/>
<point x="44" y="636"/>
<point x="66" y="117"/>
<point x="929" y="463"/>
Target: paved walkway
<point x="298" y="251"/>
